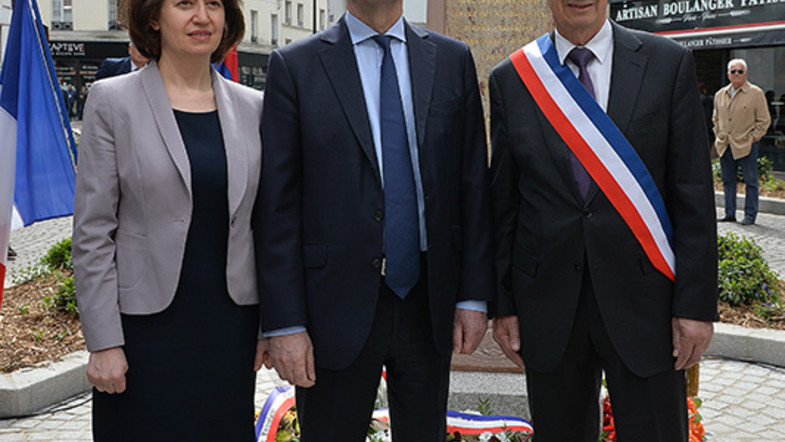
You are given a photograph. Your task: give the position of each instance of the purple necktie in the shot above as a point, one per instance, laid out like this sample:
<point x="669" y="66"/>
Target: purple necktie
<point x="581" y="57"/>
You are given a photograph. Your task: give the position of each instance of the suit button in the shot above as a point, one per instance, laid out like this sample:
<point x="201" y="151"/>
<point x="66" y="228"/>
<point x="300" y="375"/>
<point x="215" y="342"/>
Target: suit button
<point x="578" y="267"/>
<point x="378" y="215"/>
<point x="588" y="213"/>
<point x="376" y="262"/>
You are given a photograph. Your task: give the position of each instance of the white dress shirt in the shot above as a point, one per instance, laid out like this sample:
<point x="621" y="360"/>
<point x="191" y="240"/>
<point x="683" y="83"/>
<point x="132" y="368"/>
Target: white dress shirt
<point x="601" y="45"/>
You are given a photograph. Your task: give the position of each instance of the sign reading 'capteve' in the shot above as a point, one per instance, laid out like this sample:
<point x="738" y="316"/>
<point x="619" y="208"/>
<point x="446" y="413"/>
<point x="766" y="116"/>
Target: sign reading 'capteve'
<point x="685" y="15"/>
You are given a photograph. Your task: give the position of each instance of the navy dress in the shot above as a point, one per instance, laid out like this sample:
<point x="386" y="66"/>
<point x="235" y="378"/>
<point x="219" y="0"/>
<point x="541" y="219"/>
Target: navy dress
<point x="190" y="375"/>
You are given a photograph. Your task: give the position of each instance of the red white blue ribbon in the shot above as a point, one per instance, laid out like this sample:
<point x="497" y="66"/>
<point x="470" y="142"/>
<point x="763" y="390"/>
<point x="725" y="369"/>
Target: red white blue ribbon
<point x="601" y="147"/>
<point x="280" y="400"/>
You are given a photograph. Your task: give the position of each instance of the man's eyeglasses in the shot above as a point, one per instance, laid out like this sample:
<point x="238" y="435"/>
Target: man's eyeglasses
<point x="737" y="71"/>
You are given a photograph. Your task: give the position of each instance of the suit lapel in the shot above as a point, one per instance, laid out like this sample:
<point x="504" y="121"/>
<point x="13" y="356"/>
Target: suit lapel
<point x="236" y="148"/>
<point x="339" y="62"/>
<point x="157" y="98"/>
<point x="422" y="68"/>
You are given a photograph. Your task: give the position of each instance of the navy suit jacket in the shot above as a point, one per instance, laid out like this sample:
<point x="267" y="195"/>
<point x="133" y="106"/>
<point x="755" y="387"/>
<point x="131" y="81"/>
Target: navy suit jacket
<point x="547" y="235"/>
<point x="113" y="66"/>
<point x="320" y="211"/>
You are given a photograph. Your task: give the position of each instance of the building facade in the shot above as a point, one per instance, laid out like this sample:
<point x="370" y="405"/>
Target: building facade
<point x="82" y="33"/>
<point x="5" y="20"/>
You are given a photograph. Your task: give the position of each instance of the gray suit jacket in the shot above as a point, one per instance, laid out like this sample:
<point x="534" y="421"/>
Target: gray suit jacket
<point x="133" y="199"/>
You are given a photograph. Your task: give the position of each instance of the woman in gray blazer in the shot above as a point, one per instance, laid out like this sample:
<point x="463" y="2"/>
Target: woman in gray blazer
<point x="169" y="166"/>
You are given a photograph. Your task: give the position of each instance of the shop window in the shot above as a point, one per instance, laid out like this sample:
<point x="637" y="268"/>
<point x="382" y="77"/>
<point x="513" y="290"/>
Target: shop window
<point x="765" y="70"/>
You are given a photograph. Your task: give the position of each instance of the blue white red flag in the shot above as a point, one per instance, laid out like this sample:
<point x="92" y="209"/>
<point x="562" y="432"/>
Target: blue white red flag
<point x="37" y="149"/>
<point x="601" y="147"/>
<point x="228" y="66"/>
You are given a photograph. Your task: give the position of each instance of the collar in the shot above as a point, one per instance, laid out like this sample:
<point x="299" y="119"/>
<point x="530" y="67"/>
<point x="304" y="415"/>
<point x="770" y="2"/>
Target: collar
<point x="359" y="31"/>
<point x="601" y="44"/>
<point x="744" y="87"/>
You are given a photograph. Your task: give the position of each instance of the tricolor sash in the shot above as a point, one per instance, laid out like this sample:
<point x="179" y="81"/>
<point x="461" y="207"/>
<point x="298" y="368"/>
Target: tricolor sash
<point x="601" y="147"/>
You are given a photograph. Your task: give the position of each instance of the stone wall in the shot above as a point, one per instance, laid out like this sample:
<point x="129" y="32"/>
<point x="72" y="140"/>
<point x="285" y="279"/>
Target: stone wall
<point x="494" y="29"/>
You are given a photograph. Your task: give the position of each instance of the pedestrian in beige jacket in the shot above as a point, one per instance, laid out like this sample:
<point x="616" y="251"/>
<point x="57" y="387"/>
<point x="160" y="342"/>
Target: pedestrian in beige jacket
<point x="741" y="118"/>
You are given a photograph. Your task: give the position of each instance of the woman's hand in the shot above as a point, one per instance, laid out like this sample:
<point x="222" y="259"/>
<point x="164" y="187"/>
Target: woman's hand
<point x="106" y="370"/>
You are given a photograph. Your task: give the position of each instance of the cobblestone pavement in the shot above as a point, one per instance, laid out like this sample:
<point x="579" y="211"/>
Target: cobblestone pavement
<point x="742" y="401"/>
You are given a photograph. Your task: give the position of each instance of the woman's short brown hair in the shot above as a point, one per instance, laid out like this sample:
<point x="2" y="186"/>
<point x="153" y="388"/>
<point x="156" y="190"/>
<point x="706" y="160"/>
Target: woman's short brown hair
<point x="137" y="15"/>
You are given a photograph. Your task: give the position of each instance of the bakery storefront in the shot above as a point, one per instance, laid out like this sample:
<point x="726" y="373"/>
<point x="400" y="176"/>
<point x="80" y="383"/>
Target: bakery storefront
<point x="718" y="31"/>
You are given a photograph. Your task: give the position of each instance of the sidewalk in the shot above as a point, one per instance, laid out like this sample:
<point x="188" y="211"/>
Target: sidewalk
<point x="742" y="401"/>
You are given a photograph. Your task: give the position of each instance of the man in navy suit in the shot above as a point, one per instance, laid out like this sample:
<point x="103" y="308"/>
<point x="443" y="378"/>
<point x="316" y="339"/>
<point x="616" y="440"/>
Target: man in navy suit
<point x="123" y="65"/>
<point x="578" y="292"/>
<point x="339" y="109"/>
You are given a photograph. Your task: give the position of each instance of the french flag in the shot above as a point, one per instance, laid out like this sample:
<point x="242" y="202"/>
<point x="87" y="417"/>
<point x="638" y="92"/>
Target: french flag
<point x="37" y="149"/>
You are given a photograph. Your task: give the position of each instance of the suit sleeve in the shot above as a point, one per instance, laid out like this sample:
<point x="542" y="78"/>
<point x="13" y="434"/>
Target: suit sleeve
<point x="95" y="223"/>
<point x="278" y="209"/>
<point x="506" y="202"/>
<point x="690" y="195"/>
<point x="477" y="277"/>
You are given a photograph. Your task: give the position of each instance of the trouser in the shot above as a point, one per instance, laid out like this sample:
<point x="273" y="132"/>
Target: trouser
<point x="749" y="170"/>
<point x="339" y="407"/>
<point x="565" y="405"/>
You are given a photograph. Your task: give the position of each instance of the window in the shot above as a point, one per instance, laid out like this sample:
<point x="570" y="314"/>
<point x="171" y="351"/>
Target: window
<point x="274" y="29"/>
<point x="321" y="19"/>
<point x="61" y="15"/>
<point x="254" y="26"/>
<point x="287" y="18"/>
<point x="300" y="12"/>
<point x="113" y="24"/>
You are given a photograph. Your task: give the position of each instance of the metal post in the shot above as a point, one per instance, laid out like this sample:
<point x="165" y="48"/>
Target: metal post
<point x="314" y="16"/>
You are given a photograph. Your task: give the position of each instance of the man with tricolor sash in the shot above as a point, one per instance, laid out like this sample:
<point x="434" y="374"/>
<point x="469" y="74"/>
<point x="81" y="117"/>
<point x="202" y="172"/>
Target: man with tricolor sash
<point x="604" y="213"/>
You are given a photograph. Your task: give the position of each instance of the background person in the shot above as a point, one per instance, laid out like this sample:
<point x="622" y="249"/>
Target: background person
<point x="373" y="221"/>
<point x="741" y="118"/>
<point x="163" y="255"/>
<point x="577" y="293"/>
<point x="123" y="65"/>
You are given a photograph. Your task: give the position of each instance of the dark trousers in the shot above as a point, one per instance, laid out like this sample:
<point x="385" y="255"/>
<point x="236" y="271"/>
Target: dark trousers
<point x="749" y="170"/>
<point x="565" y="403"/>
<point x="339" y="407"/>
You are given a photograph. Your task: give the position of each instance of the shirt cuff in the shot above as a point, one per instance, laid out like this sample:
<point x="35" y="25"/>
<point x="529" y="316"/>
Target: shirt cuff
<point x="284" y="331"/>
<point x="476" y="306"/>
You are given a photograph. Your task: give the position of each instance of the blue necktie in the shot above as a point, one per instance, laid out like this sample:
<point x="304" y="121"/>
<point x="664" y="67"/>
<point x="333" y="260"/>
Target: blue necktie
<point x="581" y="57"/>
<point x="401" y="227"/>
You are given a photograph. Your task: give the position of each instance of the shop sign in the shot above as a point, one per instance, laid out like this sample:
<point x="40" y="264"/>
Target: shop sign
<point x="95" y="50"/>
<point x="662" y="16"/>
<point x="67" y="49"/>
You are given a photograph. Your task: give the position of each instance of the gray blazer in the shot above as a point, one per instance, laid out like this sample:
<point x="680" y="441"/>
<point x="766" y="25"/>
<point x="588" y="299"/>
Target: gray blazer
<point x="133" y="199"/>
